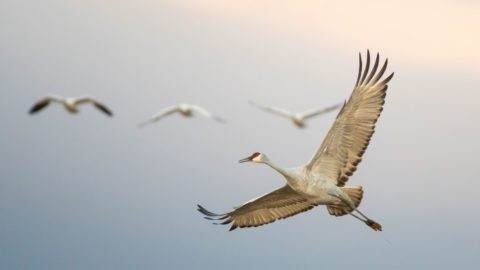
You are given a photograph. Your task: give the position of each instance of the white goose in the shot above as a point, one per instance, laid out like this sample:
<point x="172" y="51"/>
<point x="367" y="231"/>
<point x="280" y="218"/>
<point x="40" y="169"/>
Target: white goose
<point x="322" y="180"/>
<point x="297" y="118"/>
<point x="186" y="110"/>
<point x="70" y="104"/>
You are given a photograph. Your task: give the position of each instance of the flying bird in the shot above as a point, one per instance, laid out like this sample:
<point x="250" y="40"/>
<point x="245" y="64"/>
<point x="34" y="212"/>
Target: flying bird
<point x="186" y="110"/>
<point x="322" y="180"/>
<point x="70" y="104"/>
<point x="297" y="118"/>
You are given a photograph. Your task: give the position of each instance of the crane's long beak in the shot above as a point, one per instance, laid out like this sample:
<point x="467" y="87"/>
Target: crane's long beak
<point x="247" y="159"/>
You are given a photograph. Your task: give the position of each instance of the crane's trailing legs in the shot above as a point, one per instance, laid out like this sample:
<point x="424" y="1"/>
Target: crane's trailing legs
<point x="349" y="204"/>
<point x="370" y="223"/>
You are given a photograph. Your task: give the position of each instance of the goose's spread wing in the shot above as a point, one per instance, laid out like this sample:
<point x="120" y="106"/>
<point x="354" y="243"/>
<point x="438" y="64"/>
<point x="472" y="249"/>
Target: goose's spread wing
<point x="41" y="104"/>
<point x="343" y="147"/>
<point x="274" y="110"/>
<point x="160" y="115"/>
<point x="315" y="112"/>
<point x="95" y="103"/>
<point x="206" y="113"/>
<point x="278" y="204"/>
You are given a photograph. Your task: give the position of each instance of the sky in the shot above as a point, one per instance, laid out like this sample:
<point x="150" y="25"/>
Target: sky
<point x="89" y="192"/>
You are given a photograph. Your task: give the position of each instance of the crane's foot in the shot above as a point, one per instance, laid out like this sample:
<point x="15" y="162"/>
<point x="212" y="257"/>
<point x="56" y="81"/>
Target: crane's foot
<point x="374" y="225"/>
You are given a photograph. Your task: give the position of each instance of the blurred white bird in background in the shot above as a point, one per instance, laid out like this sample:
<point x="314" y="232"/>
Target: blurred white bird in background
<point x="186" y="110"/>
<point x="297" y="118"/>
<point x="70" y="104"/>
<point x="322" y="180"/>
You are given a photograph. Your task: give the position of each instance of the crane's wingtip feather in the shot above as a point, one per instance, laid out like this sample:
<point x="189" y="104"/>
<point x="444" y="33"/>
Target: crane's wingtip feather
<point x="204" y="211"/>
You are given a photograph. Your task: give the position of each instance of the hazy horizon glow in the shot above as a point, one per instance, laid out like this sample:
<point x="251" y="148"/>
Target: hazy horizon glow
<point x="431" y="33"/>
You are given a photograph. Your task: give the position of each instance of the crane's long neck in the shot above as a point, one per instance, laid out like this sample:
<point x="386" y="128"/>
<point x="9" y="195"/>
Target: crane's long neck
<point x="276" y="168"/>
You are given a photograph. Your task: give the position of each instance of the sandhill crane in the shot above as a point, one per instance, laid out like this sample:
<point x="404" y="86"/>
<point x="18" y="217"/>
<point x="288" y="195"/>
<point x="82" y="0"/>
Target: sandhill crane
<point x="297" y="118"/>
<point x="322" y="180"/>
<point x="186" y="110"/>
<point x="70" y="104"/>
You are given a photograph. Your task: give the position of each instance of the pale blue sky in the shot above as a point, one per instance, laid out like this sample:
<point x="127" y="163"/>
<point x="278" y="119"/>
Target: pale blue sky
<point x="89" y="192"/>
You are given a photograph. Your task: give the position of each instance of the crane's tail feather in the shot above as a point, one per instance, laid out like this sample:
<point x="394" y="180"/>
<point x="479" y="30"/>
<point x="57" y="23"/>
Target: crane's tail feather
<point x="355" y="193"/>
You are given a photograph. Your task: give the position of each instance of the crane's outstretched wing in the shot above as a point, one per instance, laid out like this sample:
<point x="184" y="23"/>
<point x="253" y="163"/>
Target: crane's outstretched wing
<point x="274" y="110"/>
<point x="315" y="112"/>
<point x="206" y="113"/>
<point x="41" y="104"/>
<point x="95" y="103"/>
<point x="281" y="203"/>
<point x="159" y="115"/>
<point x="343" y="147"/>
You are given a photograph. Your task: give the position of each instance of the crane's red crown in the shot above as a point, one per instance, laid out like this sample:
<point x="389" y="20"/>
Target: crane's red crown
<point x="254" y="155"/>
